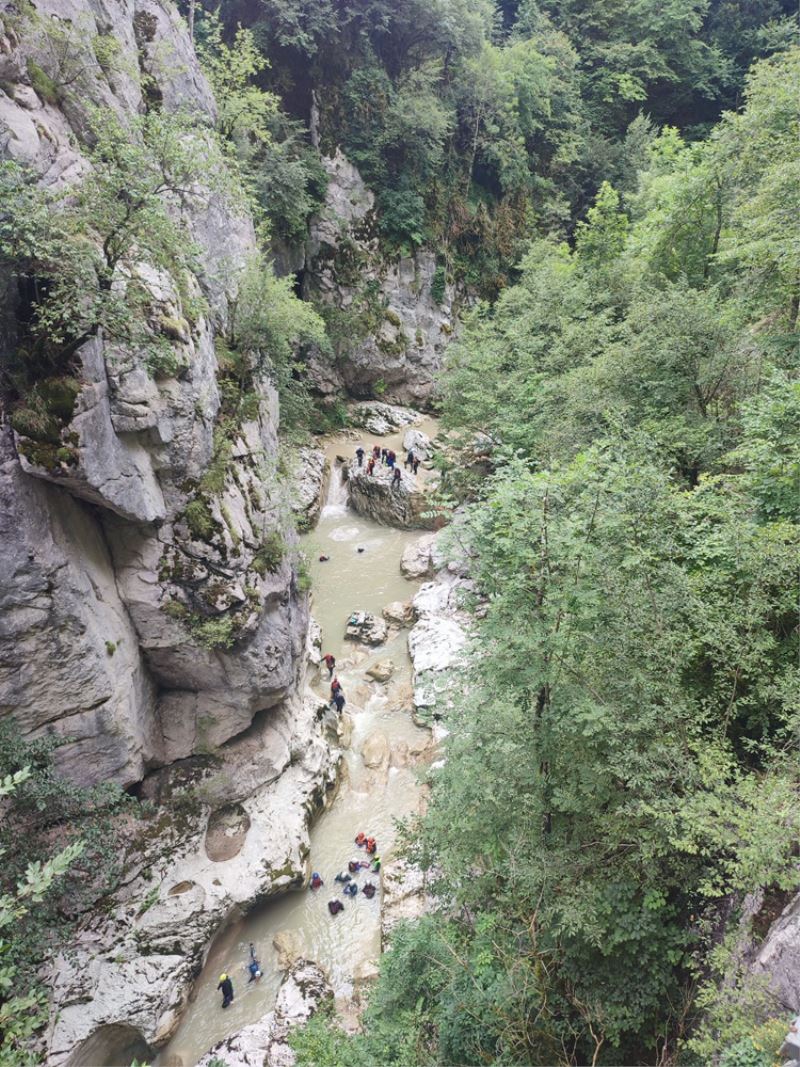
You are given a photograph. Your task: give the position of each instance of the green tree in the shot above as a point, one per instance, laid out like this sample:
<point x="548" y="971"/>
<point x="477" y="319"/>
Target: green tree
<point x="22" y="1014"/>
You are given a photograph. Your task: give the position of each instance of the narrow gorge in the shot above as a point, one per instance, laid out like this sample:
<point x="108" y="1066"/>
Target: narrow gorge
<point x="459" y="341"/>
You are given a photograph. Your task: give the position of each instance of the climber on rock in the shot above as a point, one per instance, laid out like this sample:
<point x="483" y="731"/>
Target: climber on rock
<point x="330" y="663"/>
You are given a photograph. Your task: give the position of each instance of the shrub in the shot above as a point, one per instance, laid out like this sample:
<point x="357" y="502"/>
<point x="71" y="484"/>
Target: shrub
<point x="271" y="553"/>
<point x="43" y="85"/>
<point x="213" y="633"/>
<point x="199" y="519"/>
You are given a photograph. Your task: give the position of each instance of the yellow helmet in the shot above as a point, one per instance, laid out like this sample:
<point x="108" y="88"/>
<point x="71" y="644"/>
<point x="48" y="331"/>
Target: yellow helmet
<point x="222" y="977"/>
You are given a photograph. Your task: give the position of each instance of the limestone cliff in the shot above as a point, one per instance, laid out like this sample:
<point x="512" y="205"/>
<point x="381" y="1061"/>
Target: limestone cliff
<point x="144" y="617"/>
<point x="390" y="318"/>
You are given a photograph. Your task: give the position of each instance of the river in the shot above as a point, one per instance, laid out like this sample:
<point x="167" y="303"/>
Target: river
<point x="367" y="800"/>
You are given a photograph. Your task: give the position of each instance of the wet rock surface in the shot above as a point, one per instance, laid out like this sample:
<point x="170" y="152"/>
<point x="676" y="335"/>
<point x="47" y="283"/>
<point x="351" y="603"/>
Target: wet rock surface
<point x="366" y="628"/>
<point x="265" y="1043"/>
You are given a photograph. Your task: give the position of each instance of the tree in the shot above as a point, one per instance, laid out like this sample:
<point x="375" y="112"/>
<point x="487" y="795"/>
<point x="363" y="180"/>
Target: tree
<point x="23" y="1013"/>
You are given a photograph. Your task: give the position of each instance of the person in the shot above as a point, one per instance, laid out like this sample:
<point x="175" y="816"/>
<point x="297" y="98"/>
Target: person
<point x="360" y="455"/>
<point x="409" y="460"/>
<point x="324" y="559"/>
<point x="372" y="845"/>
<point x="390" y="458"/>
<point x="339" y="701"/>
<point x="316" y="881"/>
<point x="371" y="465"/>
<point x="255" y="971"/>
<point x="226" y="986"/>
<point x="368" y="889"/>
<point x="351" y="890"/>
<point x="361" y="839"/>
<point x="415" y="465"/>
<point x="335" y="906"/>
<point x="384" y="456"/>
<point x="330" y="663"/>
<point x="342" y="878"/>
<point x="352" y="866"/>
<point x="376" y="863"/>
<point x="336" y="685"/>
<point x="376" y="452"/>
<point x="396" y="478"/>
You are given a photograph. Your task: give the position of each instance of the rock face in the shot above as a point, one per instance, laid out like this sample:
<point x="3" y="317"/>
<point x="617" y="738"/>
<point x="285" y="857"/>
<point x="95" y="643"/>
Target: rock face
<point x="404" y="896"/>
<point x="138" y="963"/>
<point x="779" y="958"/>
<point x="397" y="315"/>
<point x="265" y="1043"/>
<point x="404" y="504"/>
<point x="148" y="615"/>
<point x="438" y="641"/>
<point x="308" y="490"/>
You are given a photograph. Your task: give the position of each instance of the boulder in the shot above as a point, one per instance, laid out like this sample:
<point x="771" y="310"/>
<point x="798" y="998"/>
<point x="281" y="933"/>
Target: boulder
<point x="417" y="559"/>
<point x="406" y="505"/>
<point x="287" y="944"/>
<point x="381" y="672"/>
<point x="366" y="628"/>
<point x="381" y="419"/>
<point x="417" y="442"/>
<point x="399" y="612"/>
<point x="375" y="751"/>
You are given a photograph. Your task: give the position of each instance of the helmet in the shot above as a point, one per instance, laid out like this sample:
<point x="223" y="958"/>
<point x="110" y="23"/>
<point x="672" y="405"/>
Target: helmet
<point x="222" y="977"/>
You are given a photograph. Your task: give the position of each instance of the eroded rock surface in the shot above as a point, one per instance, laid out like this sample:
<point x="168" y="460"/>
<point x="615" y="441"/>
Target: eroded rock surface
<point x="138" y="963"/>
<point x="265" y="1043"/>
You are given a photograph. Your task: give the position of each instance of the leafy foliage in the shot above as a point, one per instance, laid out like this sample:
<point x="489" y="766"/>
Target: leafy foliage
<point x="621" y="769"/>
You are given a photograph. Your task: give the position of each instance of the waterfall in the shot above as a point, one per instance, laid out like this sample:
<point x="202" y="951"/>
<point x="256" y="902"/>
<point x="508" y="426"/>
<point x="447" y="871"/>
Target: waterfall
<point x="336" y="500"/>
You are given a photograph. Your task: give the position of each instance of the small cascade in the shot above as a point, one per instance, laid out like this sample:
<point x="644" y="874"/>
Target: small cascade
<point x="336" y="500"/>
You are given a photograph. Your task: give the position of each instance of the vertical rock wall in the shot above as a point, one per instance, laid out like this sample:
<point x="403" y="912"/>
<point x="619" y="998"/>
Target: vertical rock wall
<point x="105" y="582"/>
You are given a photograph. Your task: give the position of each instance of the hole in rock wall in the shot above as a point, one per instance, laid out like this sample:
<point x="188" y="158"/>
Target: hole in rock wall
<point x="115" y="1045"/>
<point x="226" y="832"/>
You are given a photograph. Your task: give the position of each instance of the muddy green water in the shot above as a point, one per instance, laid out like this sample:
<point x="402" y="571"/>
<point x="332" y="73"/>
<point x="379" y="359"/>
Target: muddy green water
<point x="368" y="800"/>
